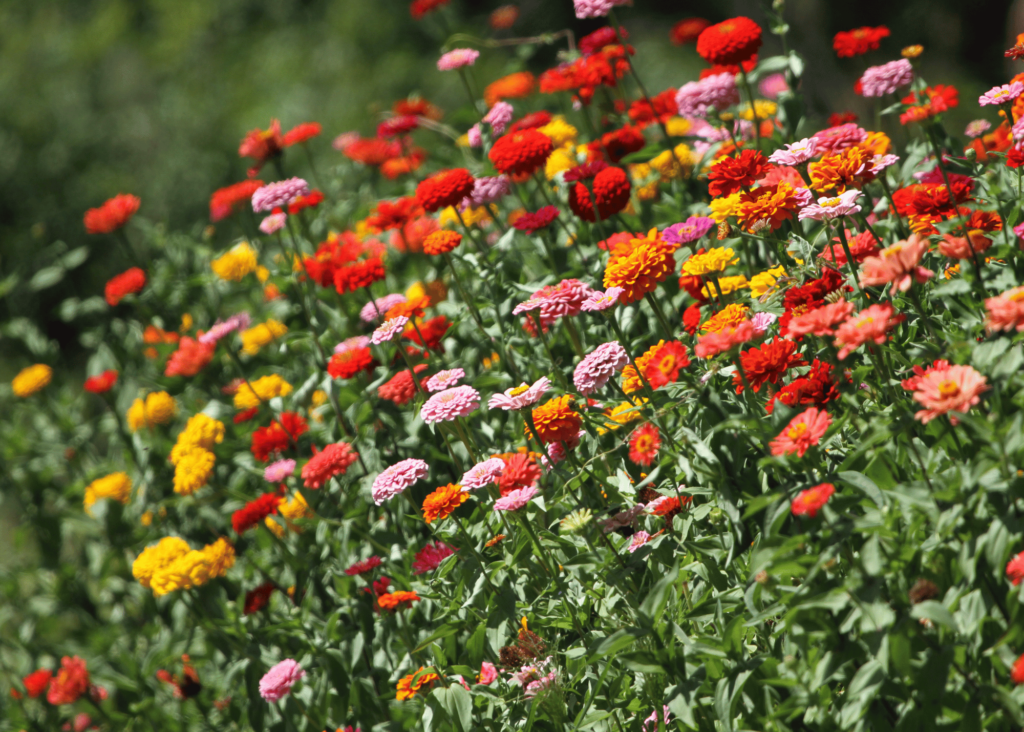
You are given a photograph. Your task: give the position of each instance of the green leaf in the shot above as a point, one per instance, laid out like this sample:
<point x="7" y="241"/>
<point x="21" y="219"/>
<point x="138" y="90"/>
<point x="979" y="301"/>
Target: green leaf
<point x="46" y="277"/>
<point x="653" y="606"/>
<point x="865" y="485"/>
<point x="936" y="612"/>
<point x="460" y="706"/>
<point x="618" y="641"/>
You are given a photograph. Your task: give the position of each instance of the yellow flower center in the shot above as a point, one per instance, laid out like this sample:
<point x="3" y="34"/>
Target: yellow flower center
<point x="522" y="388"/>
<point x="949" y="388"/>
<point x="832" y="202"/>
<point x="797" y="431"/>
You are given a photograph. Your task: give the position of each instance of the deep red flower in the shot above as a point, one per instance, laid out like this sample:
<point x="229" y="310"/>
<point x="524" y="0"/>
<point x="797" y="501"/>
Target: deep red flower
<point x="127" y="283"/>
<point x="300" y="203"/>
<point x="531" y="222"/>
<point x="433" y="331"/>
<point x="245" y="415"/>
<point x="520" y="153"/>
<point x="767" y="363"/>
<point x="687" y="30"/>
<point x="225" y="201"/>
<point x="430" y="557"/>
<point x="37" y="682"/>
<point x="811" y="295"/>
<point x="71" y="681"/>
<point x="102" y="383"/>
<point x="446" y="188"/>
<point x="594" y="42"/>
<point x="749" y="65"/>
<point x="257" y="598"/>
<point x="729" y="175"/>
<point x="352" y="277"/>
<point x="261" y="146"/>
<point x="815" y="389"/>
<point x="617" y="144"/>
<point x="644" y="444"/>
<point x="399" y="388"/>
<point x="692" y="319"/>
<point x="394" y="214"/>
<point x="837" y="119"/>
<point x="398" y="125"/>
<point x="275" y="438"/>
<point x="419" y="8"/>
<point x="254" y="512"/>
<point x="730" y="42"/>
<point x="190" y="358"/>
<point x="350" y="362"/>
<point x="661" y="107"/>
<point x="530" y="121"/>
<point x="859" y="41"/>
<point x="112" y="215"/>
<point x="301" y="133"/>
<point x="611" y="188"/>
<point x="1017" y="672"/>
<point x="363" y="566"/>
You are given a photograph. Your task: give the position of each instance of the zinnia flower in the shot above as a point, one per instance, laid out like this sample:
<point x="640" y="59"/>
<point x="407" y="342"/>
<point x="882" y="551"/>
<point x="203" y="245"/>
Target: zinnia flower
<point x="832" y="207"/>
<point x="688" y="231"/>
<point x="1015" y="569"/>
<point x="767" y="364"/>
<point x="388" y="330"/>
<point x="71" y="681"/>
<point x="820" y="321"/>
<point x="277" y="683"/>
<point x="897" y="264"/>
<point x="363" y="566"/>
<point x="859" y="41"/>
<point x="31" y="380"/>
<point x="665" y="364"/>
<point x="696" y="97"/>
<point x="225" y="201"/>
<point x="450" y="404"/>
<point x="127" y="283"/>
<point x="1004" y="94"/>
<point x="878" y="81"/>
<point x="158" y="408"/>
<point x="395" y="479"/>
<point x="803" y="431"/>
<point x="443" y="501"/>
<point x="870" y="324"/>
<point x="441" y="242"/>
<point x="516" y="499"/>
<point x="430" y="557"/>
<point x="644" y="444"/>
<point x="112" y="215"/>
<point x="190" y="358"/>
<point x="711" y="344"/>
<point x="556" y="420"/>
<point x="397" y="600"/>
<point x="236" y="263"/>
<point x="598" y="366"/>
<point x="810" y="501"/>
<point x="102" y="383"/>
<point x="482" y="474"/>
<point x="952" y="389"/>
<point x="611" y="188"/>
<point x="445" y="379"/>
<point x="640" y="270"/>
<point x="521" y="396"/>
<point x="1017" y="673"/>
<point x="1006" y="311"/>
<point x="116" y="486"/>
<point x="278" y="194"/>
<point x="254" y="512"/>
<point x="333" y="460"/>
<point x="443" y="189"/>
<point x="222" y="328"/>
<point x="730" y="42"/>
<point x="457" y="58"/>
<point x="599" y="301"/>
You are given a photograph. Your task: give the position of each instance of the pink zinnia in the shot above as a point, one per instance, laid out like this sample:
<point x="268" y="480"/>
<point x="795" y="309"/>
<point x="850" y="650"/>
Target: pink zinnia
<point x="488" y="674"/>
<point x="521" y="396"/>
<point x="430" y="557"/>
<point x="450" y="404"/>
<point x="881" y="162"/>
<point x="278" y="681"/>
<point x="499" y="116"/>
<point x="832" y="207"/>
<point x="389" y="329"/>
<point x="222" y="327"/>
<point x="878" y="81"/>
<point x="598" y="366"/>
<point x="278" y="194"/>
<point x="483" y="473"/>
<point x="353" y="343"/>
<point x="324" y="465"/>
<point x="651" y="723"/>
<point x="803" y="431"/>
<point x="711" y="344"/>
<point x="376" y="310"/>
<point x="457" y="59"/>
<point x="977" y="128"/>
<point x="516" y="499"/>
<point x="960" y="247"/>
<point x="820" y="321"/>
<point x="1006" y="311"/>
<point x="795" y="153"/>
<point x="278" y="471"/>
<point x="761" y="322"/>
<point x="897" y="264"/>
<point x="639" y="539"/>
<point x="688" y="231"/>
<point x="1001" y="94"/>
<point x="773" y="85"/>
<point x="444" y="379"/>
<point x="870" y="324"/>
<point x="596" y="8"/>
<point x="273" y="223"/>
<point x="834" y="140"/>
<point x="1015" y="569"/>
<point x="363" y="566"/>
<point x="718" y="91"/>
<point x="397" y="478"/>
<point x="487" y="189"/>
<point x="556" y="301"/>
<point x="599" y="301"/>
<point x="952" y="389"/>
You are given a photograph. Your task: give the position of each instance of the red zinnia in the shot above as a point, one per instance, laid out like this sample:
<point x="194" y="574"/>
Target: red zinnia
<point x="352" y="277"/>
<point x="257" y="598"/>
<point x="37" y="682"/>
<point x="1017" y="674"/>
<point x="730" y="42"/>
<point x="594" y="42"/>
<point x="617" y="144"/>
<point x="394" y="214"/>
<point x="399" y="388"/>
<point x="644" y="445"/>
<point x="278" y="436"/>
<point x="687" y="30"/>
<point x="661" y="107"/>
<point x="372" y="151"/>
<point x="102" y="383"/>
<point x="300" y="203"/>
<point x="520" y="471"/>
<point x="333" y="460"/>
<point x="611" y="189"/>
<point x="261" y="146"/>
<point x="433" y="331"/>
<point x="127" y="283"/>
<point x="430" y="557"/>
<point x="225" y="201"/>
<point x="533" y="119"/>
<point x="767" y="363"/>
<point x="815" y="389"/>
<point x="419" y="8"/>
<point x="71" y="681"/>
<point x="301" y="133"/>
<point x="729" y="175"/>
<point x="664" y="365"/>
<point x="254" y="512"/>
<point x="520" y="153"/>
<point x="859" y="41"/>
<point x="692" y="319"/>
<point x="363" y="566"/>
<point x="398" y="125"/>
<point x="112" y="215"/>
<point x="350" y="362"/>
<point x="810" y="501"/>
<point x="246" y="415"/>
<point x="446" y="188"/>
<point x="531" y="222"/>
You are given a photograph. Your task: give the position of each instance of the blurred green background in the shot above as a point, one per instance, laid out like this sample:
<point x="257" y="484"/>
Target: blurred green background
<point x="152" y="97"/>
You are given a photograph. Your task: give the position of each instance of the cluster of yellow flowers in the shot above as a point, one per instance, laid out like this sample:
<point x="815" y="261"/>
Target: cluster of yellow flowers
<point x="258" y="336"/>
<point x="290" y="510"/>
<point x="473" y="216"/>
<point x="193" y="461"/>
<point x="710" y="262"/>
<point x="158" y="407"/>
<point x="117" y="486"/>
<point x="236" y="263"/>
<point x="32" y="379"/>
<point x="253" y="393"/>
<point x="173" y="565"/>
<point x="563" y="137"/>
<point x="622" y="414"/>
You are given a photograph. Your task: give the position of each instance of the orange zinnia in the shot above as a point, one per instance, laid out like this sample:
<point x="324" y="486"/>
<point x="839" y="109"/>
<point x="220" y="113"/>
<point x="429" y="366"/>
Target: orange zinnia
<point x="407" y="687"/>
<point x="849" y="169"/>
<point x="397" y="600"/>
<point x="773" y="204"/>
<point x="556" y="421"/>
<point x="640" y="270"/>
<point x="443" y="501"/>
<point x="631" y="382"/>
<point x="514" y="86"/>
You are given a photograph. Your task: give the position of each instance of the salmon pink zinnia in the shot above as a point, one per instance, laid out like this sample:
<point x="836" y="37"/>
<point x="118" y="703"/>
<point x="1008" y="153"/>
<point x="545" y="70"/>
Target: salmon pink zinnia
<point x="870" y="324"/>
<point x="278" y="681"/>
<point x="897" y="264"/>
<point x="810" y="501"/>
<point x="397" y="478"/>
<point x="804" y="430"/>
<point x="952" y="389"/>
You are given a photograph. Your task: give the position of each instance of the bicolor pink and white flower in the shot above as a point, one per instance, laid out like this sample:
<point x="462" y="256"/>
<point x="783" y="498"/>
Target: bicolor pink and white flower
<point x="389" y="329"/>
<point x="514" y="500"/>
<point x="795" y="153"/>
<point x="483" y="473"/>
<point x="598" y="366"/>
<point x="521" y="396"/>
<point x="1004" y="94"/>
<point x="445" y="379"/>
<point x="832" y="207"/>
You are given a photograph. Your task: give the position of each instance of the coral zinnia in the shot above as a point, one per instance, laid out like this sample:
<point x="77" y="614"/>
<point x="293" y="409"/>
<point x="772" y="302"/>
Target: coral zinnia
<point x="1015" y="569"/>
<point x="644" y="445"/>
<point x="803" y="431"/>
<point x="190" y="358"/>
<point x="952" y="389"/>
<point x="556" y="420"/>
<point x="859" y="41"/>
<point x="521" y="153"/>
<point x="611" y="188"/>
<point x="730" y="42"/>
<point x="301" y="133"/>
<point x="225" y="201"/>
<point x="1006" y="311"/>
<point x="767" y="363"/>
<point x="331" y="461"/>
<point x="665" y="364"/>
<point x="71" y="681"/>
<point x="102" y="383"/>
<point x="350" y="362"/>
<point x="870" y="324"/>
<point x="112" y="215"/>
<point x="441" y="242"/>
<point x="443" y="501"/>
<point x="443" y="189"/>
<point x="897" y="264"/>
<point x="810" y="501"/>
<point x="400" y="388"/>
<point x="640" y="270"/>
<point x="514" y="86"/>
<point x="127" y="283"/>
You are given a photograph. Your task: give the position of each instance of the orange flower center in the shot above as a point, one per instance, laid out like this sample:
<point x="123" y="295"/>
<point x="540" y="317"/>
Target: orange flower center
<point x="797" y="431"/>
<point x="667" y="364"/>
<point x="644" y="443"/>
<point x="949" y="388"/>
<point x="522" y="388"/>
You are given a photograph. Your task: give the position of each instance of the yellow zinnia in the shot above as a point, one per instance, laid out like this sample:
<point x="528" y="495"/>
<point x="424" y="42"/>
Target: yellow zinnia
<point x="32" y="379"/>
<point x="117" y="486"/>
<point x="158" y="407"/>
<point x="262" y="390"/>
<point x="236" y="263"/>
<point x="258" y="336"/>
<point x="711" y="261"/>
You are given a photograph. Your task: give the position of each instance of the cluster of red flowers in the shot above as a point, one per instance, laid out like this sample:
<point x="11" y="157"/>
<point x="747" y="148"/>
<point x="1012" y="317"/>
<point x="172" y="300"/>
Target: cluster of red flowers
<point x="809" y="296"/>
<point x="585" y="74"/>
<point x="337" y="262"/>
<point x="611" y="188"/>
<point x="766" y="363"/>
<point x="190" y="358"/>
<point x="112" y="215"/>
<point x="279" y="436"/>
<point x="926" y="203"/>
<point x="928" y="103"/>
<point x="729" y="175"/>
<point x="254" y="512"/>
<point x="69" y="684"/>
<point x="519" y="153"/>
<point x="614" y="146"/>
<point x="859" y="41"/>
<point x="660" y="108"/>
<point x="815" y="389"/>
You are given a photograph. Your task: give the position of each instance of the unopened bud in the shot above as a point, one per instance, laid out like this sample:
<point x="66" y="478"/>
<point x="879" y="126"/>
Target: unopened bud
<point x="971" y="154"/>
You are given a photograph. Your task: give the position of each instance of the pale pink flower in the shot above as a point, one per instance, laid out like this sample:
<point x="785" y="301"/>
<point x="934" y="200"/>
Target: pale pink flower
<point x="499" y="116"/>
<point x="521" y="396"/>
<point x="1001" y="94"/>
<point x="221" y="328"/>
<point x="795" y="153"/>
<point x="1006" y="311"/>
<point x="977" y="128"/>
<point x="273" y="223"/>
<point x="688" y="231"/>
<point x="457" y="59"/>
<point x="869" y="325"/>
<point x="376" y="310"/>
<point x="878" y="81"/>
<point x="445" y="379"/>
<point x="596" y="8"/>
<point x="622" y="519"/>
<point x="450" y="404"/>
<point x="389" y="329"/>
<point x="278" y="681"/>
<point x="804" y="196"/>
<point x="959" y="247"/>
<point x="762" y="321"/>
<point x="639" y="539"/>
<point x="557" y="450"/>
<point x="598" y="366"/>
<point x="772" y="86"/>
<point x="350" y="344"/>
<point x="488" y="674"/>
<point x="719" y="91"/>
<point x="881" y="162"/>
<point x="711" y="344"/>
<point x="278" y="471"/>
<point x="599" y="301"/>
<point x="952" y="389"/>
<point x="397" y="478"/>
<point x="536" y="687"/>
<point x="803" y="431"/>
<point x="278" y="194"/>
<point x="514" y="500"/>
<point x="897" y="264"/>
<point x="474" y="136"/>
<point x="483" y="473"/>
<point x="487" y="189"/>
<point x="834" y="140"/>
<point x="832" y="207"/>
<point x="651" y="723"/>
<point x="820" y="321"/>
